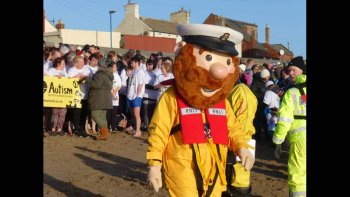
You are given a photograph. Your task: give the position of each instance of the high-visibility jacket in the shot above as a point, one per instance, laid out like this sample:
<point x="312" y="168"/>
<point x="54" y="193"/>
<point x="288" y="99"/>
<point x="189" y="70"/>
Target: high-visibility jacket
<point x="292" y="120"/>
<point x="244" y="105"/>
<point x="292" y="105"/>
<point x="176" y="158"/>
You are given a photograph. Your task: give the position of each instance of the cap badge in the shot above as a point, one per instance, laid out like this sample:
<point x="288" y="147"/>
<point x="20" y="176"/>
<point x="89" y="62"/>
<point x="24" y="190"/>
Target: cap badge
<point x="225" y="36"/>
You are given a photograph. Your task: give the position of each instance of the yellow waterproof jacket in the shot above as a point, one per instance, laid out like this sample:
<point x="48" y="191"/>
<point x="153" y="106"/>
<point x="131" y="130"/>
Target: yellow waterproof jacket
<point x="244" y="105"/>
<point x="175" y="157"/>
<point x="291" y="105"/>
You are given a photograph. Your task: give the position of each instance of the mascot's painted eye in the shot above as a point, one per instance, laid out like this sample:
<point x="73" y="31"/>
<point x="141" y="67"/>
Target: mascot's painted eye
<point x="208" y="57"/>
<point x="228" y="61"/>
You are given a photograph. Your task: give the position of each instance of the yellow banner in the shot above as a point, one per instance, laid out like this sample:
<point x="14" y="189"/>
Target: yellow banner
<point x="63" y="92"/>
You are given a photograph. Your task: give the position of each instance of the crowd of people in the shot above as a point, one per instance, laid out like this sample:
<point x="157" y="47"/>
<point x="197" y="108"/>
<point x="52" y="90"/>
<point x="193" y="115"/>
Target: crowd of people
<point x="131" y="85"/>
<point x="116" y="88"/>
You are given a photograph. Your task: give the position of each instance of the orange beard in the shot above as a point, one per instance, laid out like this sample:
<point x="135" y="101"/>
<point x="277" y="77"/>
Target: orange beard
<point x="190" y="78"/>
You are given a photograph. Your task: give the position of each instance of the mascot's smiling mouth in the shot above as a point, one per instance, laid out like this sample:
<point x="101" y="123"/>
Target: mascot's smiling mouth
<point x="208" y="93"/>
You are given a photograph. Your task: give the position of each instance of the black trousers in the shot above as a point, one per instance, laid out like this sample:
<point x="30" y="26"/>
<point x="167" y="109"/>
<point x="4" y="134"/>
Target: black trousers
<point x="148" y="106"/>
<point x="84" y="112"/>
<point x="112" y="118"/>
<point x="260" y="123"/>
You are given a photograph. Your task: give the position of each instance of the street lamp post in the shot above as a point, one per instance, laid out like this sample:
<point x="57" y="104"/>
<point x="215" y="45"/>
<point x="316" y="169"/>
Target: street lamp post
<point x="110" y="24"/>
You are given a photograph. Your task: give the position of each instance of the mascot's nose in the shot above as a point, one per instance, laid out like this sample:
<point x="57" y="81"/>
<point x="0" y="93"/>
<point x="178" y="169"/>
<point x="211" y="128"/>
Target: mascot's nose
<point x="218" y="71"/>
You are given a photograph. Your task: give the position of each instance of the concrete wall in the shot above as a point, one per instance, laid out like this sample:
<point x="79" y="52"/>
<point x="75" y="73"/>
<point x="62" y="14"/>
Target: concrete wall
<point x="98" y="38"/>
<point x="82" y="37"/>
<point x="145" y="53"/>
<point x="52" y="37"/>
<point x="262" y="61"/>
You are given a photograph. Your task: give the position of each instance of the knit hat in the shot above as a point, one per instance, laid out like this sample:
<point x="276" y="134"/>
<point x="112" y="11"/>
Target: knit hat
<point x="264" y="73"/>
<point x="298" y="62"/>
<point x="242" y="67"/>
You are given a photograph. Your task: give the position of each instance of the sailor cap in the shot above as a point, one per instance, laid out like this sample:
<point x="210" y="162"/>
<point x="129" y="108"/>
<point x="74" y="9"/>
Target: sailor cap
<point x="217" y="38"/>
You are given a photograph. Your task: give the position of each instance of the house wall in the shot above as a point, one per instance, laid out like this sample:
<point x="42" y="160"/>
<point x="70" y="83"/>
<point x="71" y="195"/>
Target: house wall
<point x="48" y="26"/>
<point x="211" y="19"/>
<point x="149" y="43"/>
<point x="165" y="35"/>
<point x="132" y="26"/>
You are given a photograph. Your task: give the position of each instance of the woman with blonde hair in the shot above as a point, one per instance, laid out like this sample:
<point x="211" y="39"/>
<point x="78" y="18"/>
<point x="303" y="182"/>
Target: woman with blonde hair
<point x="166" y="75"/>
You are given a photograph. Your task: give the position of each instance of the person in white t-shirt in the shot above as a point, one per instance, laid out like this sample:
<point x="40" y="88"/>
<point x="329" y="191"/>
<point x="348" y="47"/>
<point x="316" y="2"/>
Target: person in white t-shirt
<point x="93" y="67"/>
<point x="112" y="113"/>
<point x="149" y="100"/>
<point x="58" y="114"/>
<point x="158" y="61"/>
<point x="93" y="64"/>
<point x="143" y="62"/>
<point x="166" y="75"/>
<point x="54" y="54"/>
<point x="78" y="115"/>
<point x="47" y="59"/>
<point x="136" y="89"/>
<point x="70" y="61"/>
<point x="272" y="102"/>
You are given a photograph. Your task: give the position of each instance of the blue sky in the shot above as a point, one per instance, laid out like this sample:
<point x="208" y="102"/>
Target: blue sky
<point x="286" y="18"/>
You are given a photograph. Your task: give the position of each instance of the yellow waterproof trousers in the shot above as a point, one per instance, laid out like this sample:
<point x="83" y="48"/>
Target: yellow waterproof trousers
<point x="297" y="168"/>
<point x="192" y="191"/>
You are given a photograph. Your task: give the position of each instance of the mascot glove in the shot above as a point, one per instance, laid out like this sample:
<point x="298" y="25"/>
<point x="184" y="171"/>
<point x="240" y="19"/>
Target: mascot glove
<point x="154" y="177"/>
<point x="247" y="158"/>
<point x="278" y="151"/>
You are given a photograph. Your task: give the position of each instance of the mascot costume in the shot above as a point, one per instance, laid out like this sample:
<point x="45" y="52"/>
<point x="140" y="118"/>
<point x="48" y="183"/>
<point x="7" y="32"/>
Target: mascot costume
<point x="193" y="125"/>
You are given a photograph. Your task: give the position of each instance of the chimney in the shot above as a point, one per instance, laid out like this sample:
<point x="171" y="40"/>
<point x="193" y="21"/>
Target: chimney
<point x="245" y="29"/>
<point x="253" y="39"/>
<point x="220" y="21"/>
<point x="254" y="34"/>
<point x="267" y="34"/>
<point x="181" y="16"/>
<point x="132" y="9"/>
<point x="59" y="25"/>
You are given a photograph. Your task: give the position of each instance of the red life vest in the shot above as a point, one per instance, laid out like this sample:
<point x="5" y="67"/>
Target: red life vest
<point x="192" y="126"/>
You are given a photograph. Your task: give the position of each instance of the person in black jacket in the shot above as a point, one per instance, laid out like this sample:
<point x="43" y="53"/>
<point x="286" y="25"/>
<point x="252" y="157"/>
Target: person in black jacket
<point x="259" y="89"/>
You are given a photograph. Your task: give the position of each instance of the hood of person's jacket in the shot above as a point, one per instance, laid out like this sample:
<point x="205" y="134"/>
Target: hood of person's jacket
<point x="300" y="79"/>
<point x="107" y="71"/>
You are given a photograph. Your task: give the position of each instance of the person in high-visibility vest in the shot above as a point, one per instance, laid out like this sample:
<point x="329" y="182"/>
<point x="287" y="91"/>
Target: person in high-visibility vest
<point x="244" y="104"/>
<point x="292" y="120"/>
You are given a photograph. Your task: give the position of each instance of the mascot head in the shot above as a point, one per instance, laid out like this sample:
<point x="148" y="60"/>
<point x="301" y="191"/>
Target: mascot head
<point x="206" y="66"/>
